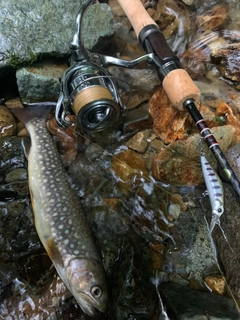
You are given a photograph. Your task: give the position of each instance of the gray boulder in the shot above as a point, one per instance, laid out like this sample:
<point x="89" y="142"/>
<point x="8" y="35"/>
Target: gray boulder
<point x="33" y="29"/>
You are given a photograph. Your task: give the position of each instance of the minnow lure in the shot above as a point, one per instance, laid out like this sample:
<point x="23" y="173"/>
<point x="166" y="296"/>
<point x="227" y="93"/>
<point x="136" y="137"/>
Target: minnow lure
<point x="215" y="191"/>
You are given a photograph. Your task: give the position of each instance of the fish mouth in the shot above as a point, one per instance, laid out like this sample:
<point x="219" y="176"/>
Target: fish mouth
<point x="87" y="305"/>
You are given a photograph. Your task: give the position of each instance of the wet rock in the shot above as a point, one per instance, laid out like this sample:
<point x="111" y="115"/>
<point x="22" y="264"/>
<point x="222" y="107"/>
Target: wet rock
<point x="213" y="19"/>
<point x="17" y="229"/>
<point x="69" y="141"/>
<point x="137" y="97"/>
<point x="31" y="29"/>
<point x="169" y="124"/>
<point x="139" y="141"/>
<point x="185" y="303"/>
<point x="172" y="17"/>
<point x="7" y="122"/>
<point x="128" y="166"/>
<point x="16" y="174"/>
<point x="137" y="118"/>
<point x="230" y="117"/>
<point x="216" y="284"/>
<point x="12" y="158"/>
<point x="228" y="58"/>
<point x="179" y="162"/>
<point x="40" y="82"/>
<point x="133" y="274"/>
<point x="14" y="103"/>
<point x="227" y="240"/>
<point x="233" y="157"/>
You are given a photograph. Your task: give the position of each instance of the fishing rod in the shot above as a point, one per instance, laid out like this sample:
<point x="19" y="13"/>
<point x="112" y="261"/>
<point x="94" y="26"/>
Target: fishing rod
<point x="89" y="91"/>
<point x="181" y="90"/>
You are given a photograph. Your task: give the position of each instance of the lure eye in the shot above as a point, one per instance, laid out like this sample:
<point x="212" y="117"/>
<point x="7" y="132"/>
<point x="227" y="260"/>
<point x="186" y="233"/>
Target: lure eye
<point x="96" y="292"/>
<point x="220" y="210"/>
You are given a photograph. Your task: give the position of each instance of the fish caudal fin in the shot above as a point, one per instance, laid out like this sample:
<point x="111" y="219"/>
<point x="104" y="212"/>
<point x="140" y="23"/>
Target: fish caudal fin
<point x="38" y="111"/>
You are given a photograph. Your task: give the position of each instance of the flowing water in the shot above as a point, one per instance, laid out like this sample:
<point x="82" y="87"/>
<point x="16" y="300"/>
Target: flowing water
<point x="127" y="209"/>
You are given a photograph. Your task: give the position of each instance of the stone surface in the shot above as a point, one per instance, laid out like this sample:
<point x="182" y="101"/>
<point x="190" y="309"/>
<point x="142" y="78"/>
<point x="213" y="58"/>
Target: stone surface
<point x="184" y="303"/>
<point x="179" y="162"/>
<point x="228" y="57"/>
<point x="8" y="125"/>
<point x="40" y="82"/>
<point x="139" y="141"/>
<point x="31" y="29"/>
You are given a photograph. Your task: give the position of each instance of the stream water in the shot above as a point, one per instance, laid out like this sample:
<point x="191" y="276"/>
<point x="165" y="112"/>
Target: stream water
<point x="143" y="246"/>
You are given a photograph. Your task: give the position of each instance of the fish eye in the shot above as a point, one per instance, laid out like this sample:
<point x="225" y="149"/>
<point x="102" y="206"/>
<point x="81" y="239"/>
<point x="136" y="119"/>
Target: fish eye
<point x="96" y="292"/>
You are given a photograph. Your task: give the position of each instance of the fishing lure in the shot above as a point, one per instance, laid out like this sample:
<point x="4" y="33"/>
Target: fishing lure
<point x="215" y="191"/>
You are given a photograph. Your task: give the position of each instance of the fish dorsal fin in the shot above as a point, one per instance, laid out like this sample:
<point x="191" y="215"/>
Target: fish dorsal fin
<point x="26" y="145"/>
<point x="54" y="253"/>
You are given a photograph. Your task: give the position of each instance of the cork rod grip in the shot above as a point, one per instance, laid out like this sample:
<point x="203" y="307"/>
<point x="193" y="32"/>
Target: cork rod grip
<point x="177" y="83"/>
<point x="136" y="14"/>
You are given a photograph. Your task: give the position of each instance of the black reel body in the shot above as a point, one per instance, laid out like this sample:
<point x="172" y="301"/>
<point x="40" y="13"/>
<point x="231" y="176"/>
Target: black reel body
<point x="92" y="96"/>
<point x="88" y="90"/>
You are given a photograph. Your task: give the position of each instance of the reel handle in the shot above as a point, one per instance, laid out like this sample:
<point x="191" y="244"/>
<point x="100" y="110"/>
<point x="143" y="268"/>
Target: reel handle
<point x="176" y="81"/>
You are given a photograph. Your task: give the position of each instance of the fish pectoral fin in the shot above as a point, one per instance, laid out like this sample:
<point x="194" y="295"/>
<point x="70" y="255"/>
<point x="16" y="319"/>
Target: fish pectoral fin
<point x="54" y="253"/>
<point x="26" y="145"/>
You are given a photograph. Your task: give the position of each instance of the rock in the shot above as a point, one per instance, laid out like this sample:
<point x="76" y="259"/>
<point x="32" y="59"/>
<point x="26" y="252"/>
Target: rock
<point x="7" y="122"/>
<point x="169" y="124"/>
<point x="168" y="16"/>
<point x="139" y="141"/>
<point x="40" y="82"/>
<point x="184" y="303"/>
<point x="13" y="161"/>
<point x="227" y="241"/>
<point x="128" y="166"/>
<point x="14" y="103"/>
<point x="130" y="301"/>
<point x="233" y="157"/>
<point x="174" y="210"/>
<point x="137" y="119"/>
<point x="30" y="30"/>
<point x="216" y="284"/>
<point x="179" y="162"/>
<point x="157" y="144"/>
<point x="16" y="174"/>
<point x="228" y="57"/>
<point x="231" y="117"/>
<point x="213" y="19"/>
<point x="69" y="140"/>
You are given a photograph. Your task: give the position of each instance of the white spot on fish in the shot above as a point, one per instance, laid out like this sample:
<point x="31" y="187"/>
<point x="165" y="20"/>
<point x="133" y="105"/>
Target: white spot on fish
<point x="66" y="241"/>
<point x="72" y="245"/>
<point x="60" y="226"/>
<point x="76" y="235"/>
<point x="76" y="252"/>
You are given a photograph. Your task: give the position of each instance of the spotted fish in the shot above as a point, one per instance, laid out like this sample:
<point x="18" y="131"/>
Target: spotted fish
<point x="215" y="191"/>
<point x="59" y="220"/>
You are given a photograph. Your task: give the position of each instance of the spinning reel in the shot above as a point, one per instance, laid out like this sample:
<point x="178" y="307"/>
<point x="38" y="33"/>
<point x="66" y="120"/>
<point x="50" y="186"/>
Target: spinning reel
<point x="88" y="90"/>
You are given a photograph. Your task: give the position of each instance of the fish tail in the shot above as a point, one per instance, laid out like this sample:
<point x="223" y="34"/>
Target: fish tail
<point x="38" y="111"/>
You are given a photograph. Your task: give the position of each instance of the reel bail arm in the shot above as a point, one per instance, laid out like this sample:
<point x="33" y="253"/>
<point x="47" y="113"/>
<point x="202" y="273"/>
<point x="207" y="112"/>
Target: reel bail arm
<point x="88" y="90"/>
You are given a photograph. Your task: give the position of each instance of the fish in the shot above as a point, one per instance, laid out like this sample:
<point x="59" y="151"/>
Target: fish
<point x="215" y="191"/>
<point x="58" y="216"/>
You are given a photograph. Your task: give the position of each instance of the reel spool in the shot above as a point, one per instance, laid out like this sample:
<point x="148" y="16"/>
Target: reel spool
<point x="93" y="97"/>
